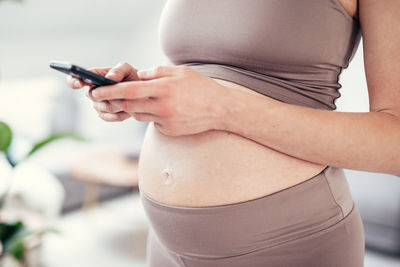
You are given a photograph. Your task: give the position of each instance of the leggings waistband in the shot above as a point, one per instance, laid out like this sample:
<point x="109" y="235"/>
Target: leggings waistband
<point x="234" y="229"/>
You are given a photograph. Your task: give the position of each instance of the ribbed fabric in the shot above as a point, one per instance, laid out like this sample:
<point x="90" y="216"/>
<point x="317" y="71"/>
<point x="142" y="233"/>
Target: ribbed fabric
<point x="291" y="50"/>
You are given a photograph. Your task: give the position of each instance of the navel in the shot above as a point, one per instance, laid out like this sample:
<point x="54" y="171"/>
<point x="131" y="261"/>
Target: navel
<point x="167" y="176"/>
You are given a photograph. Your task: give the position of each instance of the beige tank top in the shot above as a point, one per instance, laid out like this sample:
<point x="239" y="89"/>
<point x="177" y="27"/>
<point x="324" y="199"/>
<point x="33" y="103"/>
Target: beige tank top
<point x="291" y="50"/>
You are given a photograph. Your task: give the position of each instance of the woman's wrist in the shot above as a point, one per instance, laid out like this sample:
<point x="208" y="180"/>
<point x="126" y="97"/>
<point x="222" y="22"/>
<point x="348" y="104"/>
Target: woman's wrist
<point x="234" y="109"/>
<point x="245" y="109"/>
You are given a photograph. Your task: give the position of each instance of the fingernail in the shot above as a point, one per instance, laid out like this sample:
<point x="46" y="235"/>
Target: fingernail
<point x="95" y="93"/>
<point x="144" y="73"/>
<point x="77" y="83"/>
<point x="110" y="73"/>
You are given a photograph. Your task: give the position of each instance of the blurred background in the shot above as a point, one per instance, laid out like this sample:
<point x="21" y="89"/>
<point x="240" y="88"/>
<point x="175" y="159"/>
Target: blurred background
<point x="100" y="221"/>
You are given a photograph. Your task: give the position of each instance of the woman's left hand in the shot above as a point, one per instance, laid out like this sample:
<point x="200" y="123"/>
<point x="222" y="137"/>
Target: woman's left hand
<point x="179" y="100"/>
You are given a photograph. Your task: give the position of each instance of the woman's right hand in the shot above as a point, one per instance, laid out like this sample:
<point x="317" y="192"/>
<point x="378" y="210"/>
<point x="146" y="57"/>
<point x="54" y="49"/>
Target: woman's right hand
<point x="120" y="73"/>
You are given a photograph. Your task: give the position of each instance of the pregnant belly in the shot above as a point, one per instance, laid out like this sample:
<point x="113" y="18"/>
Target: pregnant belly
<point x="215" y="167"/>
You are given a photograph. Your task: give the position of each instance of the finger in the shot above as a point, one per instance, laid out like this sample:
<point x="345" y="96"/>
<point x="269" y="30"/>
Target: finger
<point x="74" y="83"/>
<point x="159" y="127"/>
<point x="143" y="105"/>
<point x="106" y="107"/>
<point x="145" y="117"/>
<point x="120" y="116"/>
<point x="127" y="90"/>
<point x="122" y="72"/>
<point x="158" y="72"/>
<point x="89" y="94"/>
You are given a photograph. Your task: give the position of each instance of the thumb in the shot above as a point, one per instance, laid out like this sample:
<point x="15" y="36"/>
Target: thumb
<point x="122" y="72"/>
<point x="156" y="73"/>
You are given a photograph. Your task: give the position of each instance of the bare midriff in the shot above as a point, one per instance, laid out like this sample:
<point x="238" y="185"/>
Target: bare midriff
<point x="215" y="167"/>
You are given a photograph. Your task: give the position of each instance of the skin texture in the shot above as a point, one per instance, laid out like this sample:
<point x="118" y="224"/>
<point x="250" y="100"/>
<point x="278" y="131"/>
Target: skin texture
<point x="351" y="6"/>
<point x="367" y="141"/>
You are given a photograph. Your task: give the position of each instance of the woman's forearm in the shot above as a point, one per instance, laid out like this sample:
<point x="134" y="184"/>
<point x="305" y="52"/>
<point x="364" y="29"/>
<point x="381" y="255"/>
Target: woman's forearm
<point x="368" y="141"/>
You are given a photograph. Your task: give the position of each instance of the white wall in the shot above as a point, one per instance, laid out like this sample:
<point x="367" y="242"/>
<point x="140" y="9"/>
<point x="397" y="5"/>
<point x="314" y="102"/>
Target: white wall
<point x="354" y="93"/>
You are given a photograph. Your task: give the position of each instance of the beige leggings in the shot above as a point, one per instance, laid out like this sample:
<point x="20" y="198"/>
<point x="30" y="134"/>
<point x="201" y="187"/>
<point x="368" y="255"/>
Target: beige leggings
<point x="314" y="223"/>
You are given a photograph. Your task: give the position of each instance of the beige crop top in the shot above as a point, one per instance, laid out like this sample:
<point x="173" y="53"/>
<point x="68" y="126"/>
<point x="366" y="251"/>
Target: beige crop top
<point x="291" y="50"/>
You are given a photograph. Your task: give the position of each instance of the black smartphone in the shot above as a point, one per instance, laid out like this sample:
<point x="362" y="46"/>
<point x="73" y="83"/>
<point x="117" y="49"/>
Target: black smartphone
<point x="83" y="74"/>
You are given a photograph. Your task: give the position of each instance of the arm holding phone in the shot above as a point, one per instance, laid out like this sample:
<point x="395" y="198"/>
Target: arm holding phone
<point x="178" y="99"/>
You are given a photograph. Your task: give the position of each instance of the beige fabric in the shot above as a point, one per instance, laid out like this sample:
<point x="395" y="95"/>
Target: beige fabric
<point x="290" y="50"/>
<point x="300" y="226"/>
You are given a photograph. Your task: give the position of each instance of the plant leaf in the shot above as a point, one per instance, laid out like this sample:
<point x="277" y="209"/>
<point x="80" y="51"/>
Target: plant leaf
<point x="14" y="236"/>
<point x="5" y="137"/>
<point x="7" y="230"/>
<point x="15" y="246"/>
<point x="52" y="138"/>
<point x="17" y="249"/>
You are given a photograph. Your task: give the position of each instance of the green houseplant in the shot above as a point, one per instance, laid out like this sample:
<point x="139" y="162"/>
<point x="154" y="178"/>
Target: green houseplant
<point x="6" y="136"/>
<point x="13" y="235"/>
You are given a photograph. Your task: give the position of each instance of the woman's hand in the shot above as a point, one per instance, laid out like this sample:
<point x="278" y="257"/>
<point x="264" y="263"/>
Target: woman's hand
<point x="120" y="73"/>
<point x="179" y="100"/>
